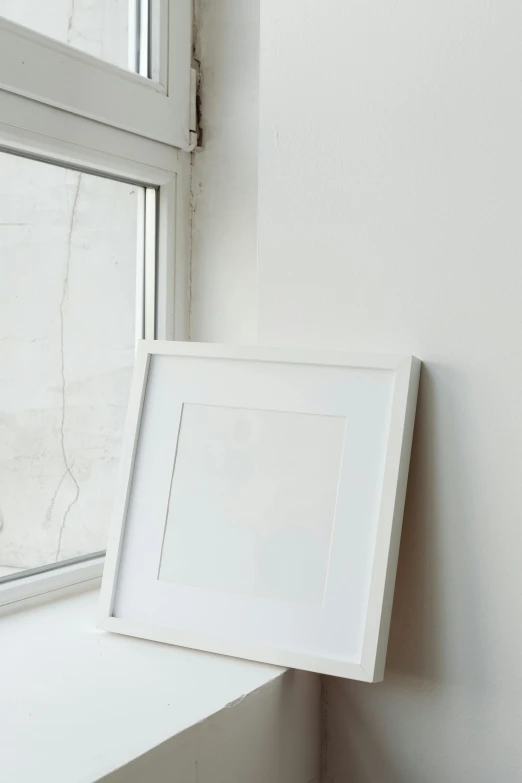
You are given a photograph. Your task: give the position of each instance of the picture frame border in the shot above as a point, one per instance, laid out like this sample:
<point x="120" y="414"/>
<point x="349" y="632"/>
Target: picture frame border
<point x="370" y="668"/>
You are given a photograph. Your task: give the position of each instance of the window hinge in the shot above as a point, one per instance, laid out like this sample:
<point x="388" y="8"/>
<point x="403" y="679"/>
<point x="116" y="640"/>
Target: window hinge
<point x="193" y="118"/>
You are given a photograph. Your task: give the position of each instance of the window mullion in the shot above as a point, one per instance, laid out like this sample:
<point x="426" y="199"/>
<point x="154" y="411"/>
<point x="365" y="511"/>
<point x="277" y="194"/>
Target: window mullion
<point x="150" y="245"/>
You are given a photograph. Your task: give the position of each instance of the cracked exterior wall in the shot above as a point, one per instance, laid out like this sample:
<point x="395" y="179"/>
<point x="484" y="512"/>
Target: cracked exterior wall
<point x="98" y="27"/>
<point x="67" y="308"/>
<point x="67" y="313"/>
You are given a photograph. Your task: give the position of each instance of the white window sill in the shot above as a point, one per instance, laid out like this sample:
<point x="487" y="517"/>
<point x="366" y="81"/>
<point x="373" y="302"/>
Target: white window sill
<point x="78" y="703"/>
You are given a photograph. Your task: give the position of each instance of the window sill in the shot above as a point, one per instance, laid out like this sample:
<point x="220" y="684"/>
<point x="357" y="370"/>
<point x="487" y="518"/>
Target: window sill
<point x="33" y="589"/>
<point x="78" y="703"/>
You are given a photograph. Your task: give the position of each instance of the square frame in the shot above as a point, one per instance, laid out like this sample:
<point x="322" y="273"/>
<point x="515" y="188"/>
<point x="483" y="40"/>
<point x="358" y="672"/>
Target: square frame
<point x="370" y="667"/>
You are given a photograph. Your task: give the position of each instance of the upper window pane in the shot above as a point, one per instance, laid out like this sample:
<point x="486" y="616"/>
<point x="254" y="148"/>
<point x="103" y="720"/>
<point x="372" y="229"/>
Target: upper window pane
<point x="98" y="27"/>
<point x="67" y="342"/>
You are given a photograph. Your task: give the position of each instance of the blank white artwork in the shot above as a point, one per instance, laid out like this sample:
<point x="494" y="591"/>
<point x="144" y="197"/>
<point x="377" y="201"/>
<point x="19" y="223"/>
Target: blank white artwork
<point x="259" y="487"/>
<point x="259" y="504"/>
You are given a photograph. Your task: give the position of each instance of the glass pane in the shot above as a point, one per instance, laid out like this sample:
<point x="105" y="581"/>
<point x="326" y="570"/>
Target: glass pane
<point x="67" y="341"/>
<point x="98" y="27"/>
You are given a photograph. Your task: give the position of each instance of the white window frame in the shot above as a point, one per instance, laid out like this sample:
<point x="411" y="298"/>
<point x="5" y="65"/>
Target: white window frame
<point x="44" y="132"/>
<point x="56" y="74"/>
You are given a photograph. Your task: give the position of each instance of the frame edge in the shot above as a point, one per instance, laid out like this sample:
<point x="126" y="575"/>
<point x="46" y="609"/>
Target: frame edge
<point x="380" y="600"/>
<point x="123" y="485"/>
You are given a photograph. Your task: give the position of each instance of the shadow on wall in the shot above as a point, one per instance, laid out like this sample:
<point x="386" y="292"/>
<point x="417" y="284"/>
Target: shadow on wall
<point x="360" y="757"/>
<point x="414" y="646"/>
<point x="437" y="535"/>
<point x="436" y="578"/>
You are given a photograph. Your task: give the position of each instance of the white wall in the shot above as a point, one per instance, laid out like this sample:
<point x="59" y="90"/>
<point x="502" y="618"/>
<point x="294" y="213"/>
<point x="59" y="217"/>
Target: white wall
<point x="389" y="220"/>
<point x="224" y="177"/>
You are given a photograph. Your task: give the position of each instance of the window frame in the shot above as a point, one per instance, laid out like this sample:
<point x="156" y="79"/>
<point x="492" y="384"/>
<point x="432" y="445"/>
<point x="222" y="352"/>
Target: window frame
<point x="55" y="74"/>
<point x="47" y="133"/>
<point x="41" y="585"/>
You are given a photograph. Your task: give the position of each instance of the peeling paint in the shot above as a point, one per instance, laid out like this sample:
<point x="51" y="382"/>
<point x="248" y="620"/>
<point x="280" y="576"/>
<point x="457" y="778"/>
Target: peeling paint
<point x="234" y="702"/>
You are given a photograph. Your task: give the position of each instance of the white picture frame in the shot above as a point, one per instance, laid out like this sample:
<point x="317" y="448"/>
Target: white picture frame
<point x="333" y="626"/>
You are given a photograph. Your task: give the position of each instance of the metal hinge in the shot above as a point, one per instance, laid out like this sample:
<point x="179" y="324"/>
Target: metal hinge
<point x="193" y="118"/>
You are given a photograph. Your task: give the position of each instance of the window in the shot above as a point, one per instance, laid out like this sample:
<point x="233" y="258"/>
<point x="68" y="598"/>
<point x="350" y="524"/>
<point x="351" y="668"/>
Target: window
<point x="67" y="330"/>
<point x="72" y="65"/>
<point x="94" y="112"/>
<point x="100" y="29"/>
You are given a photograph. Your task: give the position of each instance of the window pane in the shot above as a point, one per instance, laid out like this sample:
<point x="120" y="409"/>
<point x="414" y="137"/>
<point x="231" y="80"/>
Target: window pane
<point x="98" y="27"/>
<point x="67" y="341"/>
